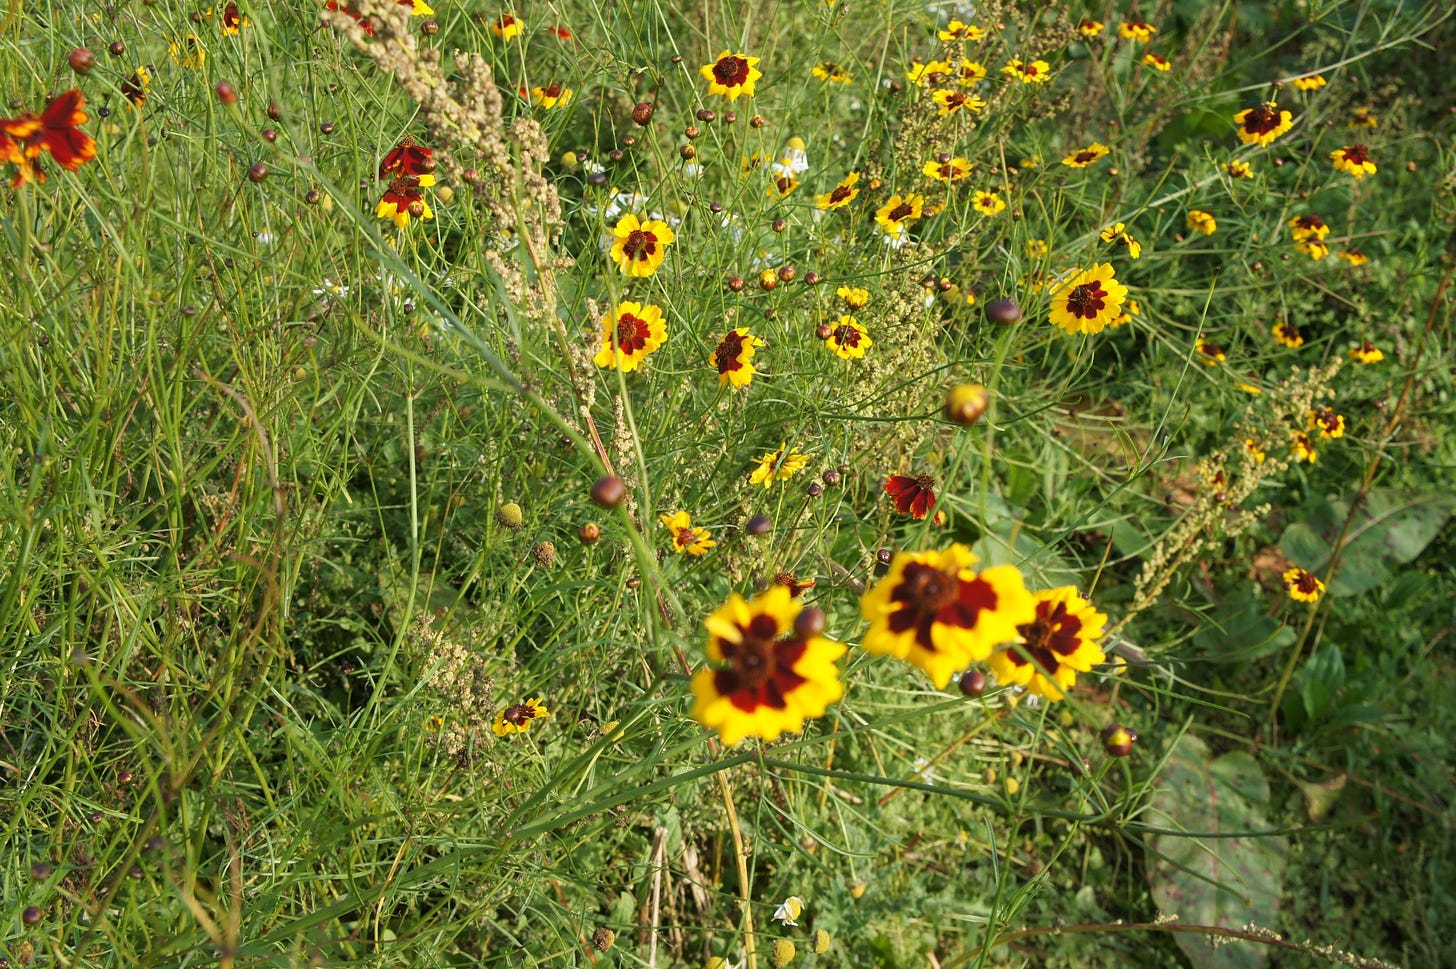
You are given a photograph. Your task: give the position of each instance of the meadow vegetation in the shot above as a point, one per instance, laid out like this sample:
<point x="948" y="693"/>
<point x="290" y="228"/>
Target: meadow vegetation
<point x="827" y="483"/>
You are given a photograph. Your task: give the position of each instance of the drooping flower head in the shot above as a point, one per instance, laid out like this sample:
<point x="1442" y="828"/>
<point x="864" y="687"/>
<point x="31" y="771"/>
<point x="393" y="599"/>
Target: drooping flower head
<point x="1367" y="352"/>
<point x="1287" y="334"/>
<point x="1303" y="227"/>
<point x="403" y="200"/>
<point x="934" y="610"/>
<point x="1312" y="248"/>
<point x="685" y="537"/>
<point x="519" y="717"/>
<point x="630" y="332"/>
<point x="1157" y="62"/>
<point x="1301" y="448"/>
<point x="1060" y="642"/>
<point x="1089" y="301"/>
<point x="1210" y="353"/>
<point x="769" y="671"/>
<point x="1311" y="83"/>
<point x="731" y="75"/>
<point x="233" y="20"/>
<point x="957" y="30"/>
<point x="779" y="465"/>
<point x="639" y="247"/>
<point x="553" y="95"/>
<point x="1117" y="232"/>
<point x="138" y="87"/>
<point x="1354" y="257"/>
<point x="507" y="26"/>
<point x="848" y="338"/>
<point x="1262" y="124"/>
<point x="840" y="195"/>
<point x="1353" y="160"/>
<point x="1302" y="586"/>
<point x="189" y="52"/>
<point x="913" y="496"/>
<point x="733" y="358"/>
<point x="1201" y="221"/>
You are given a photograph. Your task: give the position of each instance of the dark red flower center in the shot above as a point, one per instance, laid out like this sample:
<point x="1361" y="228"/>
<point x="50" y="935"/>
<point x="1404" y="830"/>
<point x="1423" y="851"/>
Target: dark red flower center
<point x="954" y="100"/>
<point x="640" y="244"/>
<point x="901" y="212"/>
<point x="1087" y="300"/>
<point x="1052" y="634"/>
<point x="928" y="595"/>
<point x="519" y="715"/>
<point x="230" y="15"/>
<point x="1030" y="70"/>
<point x="1355" y="154"/>
<point x="552" y="90"/>
<point x="760" y="671"/>
<point x="728" y="356"/>
<point x="1312" y="223"/>
<point x="731" y="71"/>
<point x="1085" y="157"/>
<point x="684" y="537"/>
<point x="1306" y="582"/>
<point x="632" y="333"/>
<point x="841" y="193"/>
<point x="1262" y="119"/>
<point x="846" y="335"/>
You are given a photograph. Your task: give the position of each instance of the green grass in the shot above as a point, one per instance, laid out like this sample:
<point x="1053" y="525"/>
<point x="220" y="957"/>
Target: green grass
<point x="261" y="605"/>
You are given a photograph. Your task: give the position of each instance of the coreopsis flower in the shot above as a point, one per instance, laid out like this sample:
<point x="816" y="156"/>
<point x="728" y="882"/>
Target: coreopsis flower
<point x="418" y="8"/>
<point x="853" y="296"/>
<point x="988" y="203"/>
<point x="970" y="72"/>
<point x="789" y="912"/>
<point x="1367" y="353"/>
<point x="831" y="72"/>
<point x="1364" y="118"/>
<point x="733" y="358"/>
<point x="189" y="52"/>
<point x="1302" y="586"/>
<point x="136" y="88"/>
<point x="638" y="247"/>
<point x="769" y="671"/>
<point x="1250" y="389"/>
<point x="548" y="96"/>
<point x="56" y="130"/>
<point x="1238" y="169"/>
<point x="950" y="170"/>
<point x="685" y="537"/>
<point x="781" y="186"/>
<point x="1262" y="124"/>
<point x="348" y="9"/>
<point x="1329" y="424"/>
<point x="896" y="213"/>
<point x="1037" y="248"/>
<point x="1089" y="300"/>
<point x="1353" y="160"/>
<point x="507" y="26"/>
<point x="780" y="465"/>
<point x="929" y="73"/>
<point x="1353" y="256"/>
<point x="1311" y="83"/>
<point x="1136" y="29"/>
<point x="403" y="200"/>
<point x="1255" y="450"/>
<point x="1086" y="156"/>
<point x="1037" y="72"/>
<point x="1060" y="642"/>
<point x="950" y="102"/>
<point x="233" y="20"/>
<point x="519" y="717"/>
<point x="1130" y="312"/>
<point x="1118" y="233"/>
<point x="796" y="586"/>
<point x="848" y="338"/>
<point x="935" y="611"/>
<point x="409" y="157"/>
<point x="957" y="30"/>
<point x="1312" y="248"/>
<point x="1287" y="334"/>
<point x="559" y="31"/>
<point x="731" y="75"/>
<point x="1090" y="28"/>
<point x="1303" y="227"/>
<point x="1200" y="221"/>
<point x="1210" y="353"/>
<point x="1157" y="62"/>
<point x="1301" y="447"/>
<point x="913" y="496"/>
<point x="630" y="332"/>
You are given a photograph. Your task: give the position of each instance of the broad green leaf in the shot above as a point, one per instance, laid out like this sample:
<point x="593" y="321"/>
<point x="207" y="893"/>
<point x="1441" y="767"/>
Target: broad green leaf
<point x="1215" y="874"/>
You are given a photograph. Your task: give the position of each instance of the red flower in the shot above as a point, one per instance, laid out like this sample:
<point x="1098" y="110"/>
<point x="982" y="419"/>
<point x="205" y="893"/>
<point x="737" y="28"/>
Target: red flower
<point x="410" y="158"/>
<point x="346" y="8"/>
<point x="55" y="130"/>
<point x="913" y="496"/>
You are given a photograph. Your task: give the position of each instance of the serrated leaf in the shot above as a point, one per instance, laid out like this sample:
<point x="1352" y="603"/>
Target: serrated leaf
<point x="1205" y="880"/>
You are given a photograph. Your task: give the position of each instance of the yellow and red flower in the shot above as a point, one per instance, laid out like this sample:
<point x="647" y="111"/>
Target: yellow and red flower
<point x="848" y="338"/>
<point x="1287" y="334"/>
<point x="137" y="87"/>
<point x="56" y="130"/>
<point x="1329" y="424"/>
<point x="1238" y="169"/>
<point x="956" y="30"/>
<point x="935" y="611"/>
<point x="1301" y="447"/>
<point x="779" y="465"/>
<point x="1157" y="62"/>
<point x="1353" y="256"/>
<point x="988" y="203"/>
<point x="928" y="73"/>
<point x="1353" y="160"/>
<point x="1364" y="118"/>
<point x="1090" y="28"/>
<point x="1210" y="353"/>
<point x="1302" y="586"/>
<point x="831" y="72"/>
<point x="1312" y="248"/>
<point x="1303" y="227"/>
<point x="1088" y="301"/>
<point x="519" y="717"/>
<point x="403" y="200"/>
<point x="898" y="212"/>
<point x="1060" y="642"/>
<point x="970" y="73"/>
<point x="913" y="496"/>
<point x="854" y="297"/>
<point x="1367" y="353"/>
<point x="731" y="75"/>
<point x="950" y="170"/>
<point x="507" y="26"/>
<point x="232" y="19"/>
<point x="1311" y="83"/>
<point x="1118" y="233"/>
<point x="1037" y="72"/>
<point x="639" y="247"/>
<point x="733" y="359"/>
<point x="771" y="668"/>
<point x="1137" y="29"/>
<point x="952" y="101"/>
<point x="1087" y="156"/>
<point x="630" y="332"/>
<point x="1201" y="221"/>
<point x="548" y="96"/>
<point x="1262" y="124"/>
<point x="409" y="157"/>
<point x="685" y="537"/>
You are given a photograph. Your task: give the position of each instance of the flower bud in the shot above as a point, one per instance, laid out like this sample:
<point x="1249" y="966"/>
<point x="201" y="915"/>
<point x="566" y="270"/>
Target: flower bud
<point x="589" y="533"/>
<point x="225" y="93"/>
<point x="809" y="623"/>
<point x="510" y="515"/>
<point x="1003" y="312"/>
<point x="973" y="683"/>
<point x="82" y="60"/>
<point x="609" y="492"/>
<point x="642" y="113"/>
<point x="758" y="525"/>
<point x="965" y="403"/>
<point x="1118" y="740"/>
<point x="258" y="172"/>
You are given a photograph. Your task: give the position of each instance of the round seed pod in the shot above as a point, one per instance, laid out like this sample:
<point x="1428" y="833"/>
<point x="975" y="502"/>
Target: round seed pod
<point x="966" y="403"/>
